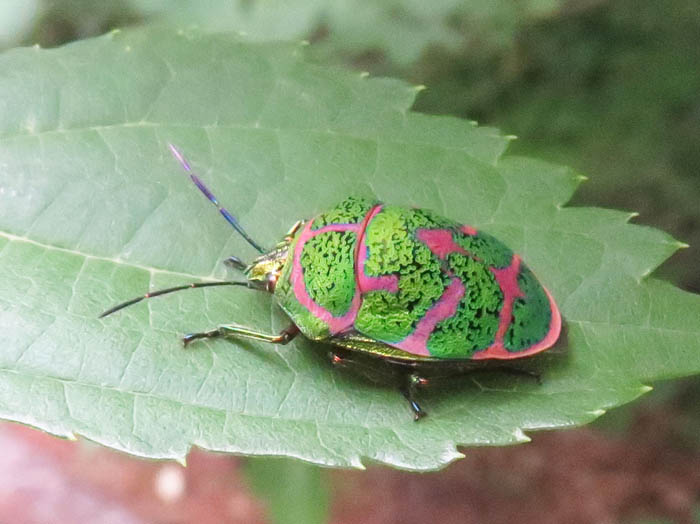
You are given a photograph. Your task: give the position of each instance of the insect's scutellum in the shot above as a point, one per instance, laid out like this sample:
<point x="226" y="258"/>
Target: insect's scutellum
<point x="204" y="189"/>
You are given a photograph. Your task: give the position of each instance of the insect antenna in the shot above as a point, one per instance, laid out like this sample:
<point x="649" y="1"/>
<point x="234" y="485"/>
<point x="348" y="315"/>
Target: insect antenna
<point x="204" y="189"/>
<point x="160" y="292"/>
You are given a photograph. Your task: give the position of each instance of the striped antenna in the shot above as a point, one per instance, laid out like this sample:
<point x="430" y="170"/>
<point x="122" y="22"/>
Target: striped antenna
<point x="204" y="189"/>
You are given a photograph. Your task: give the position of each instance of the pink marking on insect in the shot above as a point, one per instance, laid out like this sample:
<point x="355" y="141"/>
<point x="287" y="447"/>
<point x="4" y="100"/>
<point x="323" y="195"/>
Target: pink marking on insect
<point x="446" y="306"/>
<point x="507" y="279"/>
<point x="335" y="324"/>
<point x="554" y="328"/>
<point x="440" y="242"/>
<point x="365" y="282"/>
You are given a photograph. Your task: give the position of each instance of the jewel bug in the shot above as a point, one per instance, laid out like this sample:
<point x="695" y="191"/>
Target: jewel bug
<point x="403" y="295"/>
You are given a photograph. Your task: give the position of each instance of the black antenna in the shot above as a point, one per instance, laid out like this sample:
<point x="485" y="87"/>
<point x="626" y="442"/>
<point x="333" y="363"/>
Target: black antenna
<point x="204" y="189"/>
<point x="160" y="292"/>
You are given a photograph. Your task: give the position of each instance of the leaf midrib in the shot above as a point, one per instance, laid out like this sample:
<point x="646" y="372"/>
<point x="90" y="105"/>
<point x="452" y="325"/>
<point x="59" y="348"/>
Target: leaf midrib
<point x="149" y="269"/>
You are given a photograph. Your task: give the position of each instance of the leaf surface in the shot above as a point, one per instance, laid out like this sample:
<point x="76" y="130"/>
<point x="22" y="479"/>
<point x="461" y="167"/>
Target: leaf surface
<point x="94" y="210"/>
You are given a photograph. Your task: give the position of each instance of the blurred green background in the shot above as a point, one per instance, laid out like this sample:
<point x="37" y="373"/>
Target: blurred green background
<point x="611" y="88"/>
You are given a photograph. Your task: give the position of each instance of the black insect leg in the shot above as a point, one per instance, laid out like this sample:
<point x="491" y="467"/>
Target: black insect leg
<point x="235" y="263"/>
<point x="408" y="390"/>
<point x="231" y="330"/>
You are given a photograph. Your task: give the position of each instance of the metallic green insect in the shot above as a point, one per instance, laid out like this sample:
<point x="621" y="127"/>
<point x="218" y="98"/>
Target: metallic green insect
<point x="403" y="295"/>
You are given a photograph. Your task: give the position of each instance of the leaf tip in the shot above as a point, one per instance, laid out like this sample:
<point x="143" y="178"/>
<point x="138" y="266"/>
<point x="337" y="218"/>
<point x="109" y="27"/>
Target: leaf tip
<point x="510" y="137"/>
<point x="680" y="245"/>
<point x="356" y="463"/>
<point x="364" y="74"/>
<point x="597" y="412"/>
<point x="520" y="435"/>
<point x="419" y="88"/>
<point x="182" y="461"/>
<point x="452" y="455"/>
<point x="581" y="178"/>
<point x="71" y="436"/>
<point x="304" y="43"/>
<point x="645" y="389"/>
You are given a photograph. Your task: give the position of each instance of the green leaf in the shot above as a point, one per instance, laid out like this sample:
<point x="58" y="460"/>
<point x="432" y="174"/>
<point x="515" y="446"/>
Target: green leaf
<point x="94" y="210"/>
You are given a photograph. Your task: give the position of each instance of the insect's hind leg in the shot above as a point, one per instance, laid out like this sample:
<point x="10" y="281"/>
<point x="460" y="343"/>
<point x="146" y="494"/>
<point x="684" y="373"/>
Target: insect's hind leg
<point x="379" y="372"/>
<point x="231" y="330"/>
<point x="408" y="390"/>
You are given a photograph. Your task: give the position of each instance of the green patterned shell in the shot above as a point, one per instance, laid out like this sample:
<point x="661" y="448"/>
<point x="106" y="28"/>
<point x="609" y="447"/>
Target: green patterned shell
<point x="415" y="282"/>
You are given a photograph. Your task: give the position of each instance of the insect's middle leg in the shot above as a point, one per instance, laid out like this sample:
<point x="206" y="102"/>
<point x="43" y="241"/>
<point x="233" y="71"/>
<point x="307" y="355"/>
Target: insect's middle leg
<point x="231" y="330"/>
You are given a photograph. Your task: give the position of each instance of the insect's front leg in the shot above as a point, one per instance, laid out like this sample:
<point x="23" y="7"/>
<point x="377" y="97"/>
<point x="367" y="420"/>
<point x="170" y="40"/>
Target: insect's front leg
<point x="235" y="263"/>
<point x="231" y="330"/>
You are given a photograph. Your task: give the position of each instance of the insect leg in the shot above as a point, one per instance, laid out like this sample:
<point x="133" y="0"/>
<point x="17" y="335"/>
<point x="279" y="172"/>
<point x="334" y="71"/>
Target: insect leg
<point x="408" y="390"/>
<point x="231" y="330"/>
<point x="378" y="372"/>
<point x="235" y="263"/>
